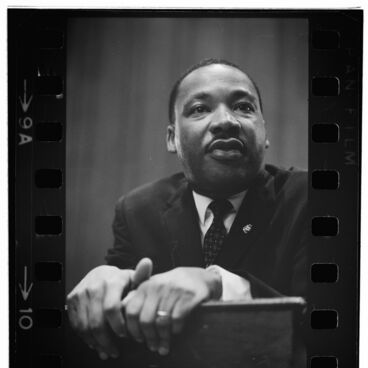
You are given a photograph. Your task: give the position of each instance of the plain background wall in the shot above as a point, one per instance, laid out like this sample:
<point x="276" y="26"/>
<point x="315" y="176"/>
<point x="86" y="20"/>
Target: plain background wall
<point x="119" y="75"/>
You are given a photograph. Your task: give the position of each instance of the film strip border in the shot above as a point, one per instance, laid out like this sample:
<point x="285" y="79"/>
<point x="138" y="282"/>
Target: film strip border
<point x="334" y="187"/>
<point x="37" y="80"/>
<point x="37" y="252"/>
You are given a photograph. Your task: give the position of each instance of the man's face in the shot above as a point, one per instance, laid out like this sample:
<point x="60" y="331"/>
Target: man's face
<point x="219" y="131"/>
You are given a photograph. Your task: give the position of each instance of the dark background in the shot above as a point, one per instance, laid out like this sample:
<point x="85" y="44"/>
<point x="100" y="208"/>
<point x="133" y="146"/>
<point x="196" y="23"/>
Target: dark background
<point x="119" y="75"/>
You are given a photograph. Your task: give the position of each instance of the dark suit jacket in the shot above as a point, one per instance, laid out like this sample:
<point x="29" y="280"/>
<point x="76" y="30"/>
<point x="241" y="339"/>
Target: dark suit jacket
<point x="160" y="221"/>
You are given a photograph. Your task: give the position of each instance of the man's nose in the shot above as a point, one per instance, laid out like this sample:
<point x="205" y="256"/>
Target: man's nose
<point x="223" y="120"/>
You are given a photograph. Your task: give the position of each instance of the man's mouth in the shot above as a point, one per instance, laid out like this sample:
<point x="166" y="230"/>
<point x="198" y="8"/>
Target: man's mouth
<point x="226" y="149"/>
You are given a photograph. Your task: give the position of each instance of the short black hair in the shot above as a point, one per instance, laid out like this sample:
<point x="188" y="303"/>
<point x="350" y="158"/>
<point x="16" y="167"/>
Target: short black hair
<point x="201" y="64"/>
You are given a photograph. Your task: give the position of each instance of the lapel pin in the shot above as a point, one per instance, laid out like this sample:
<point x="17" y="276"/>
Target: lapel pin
<point x="247" y="228"/>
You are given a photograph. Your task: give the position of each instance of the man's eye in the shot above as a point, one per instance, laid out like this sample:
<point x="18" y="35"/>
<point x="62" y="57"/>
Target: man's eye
<point x="244" y="107"/>
<point x="199" y="109"/>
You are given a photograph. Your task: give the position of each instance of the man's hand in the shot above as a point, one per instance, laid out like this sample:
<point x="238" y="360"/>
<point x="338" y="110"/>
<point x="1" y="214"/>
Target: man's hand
<point x="94" y="305"/>
<point x="158" y="307"/>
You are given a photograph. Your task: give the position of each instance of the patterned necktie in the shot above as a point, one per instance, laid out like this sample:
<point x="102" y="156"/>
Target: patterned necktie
<point x="216" y="234"/>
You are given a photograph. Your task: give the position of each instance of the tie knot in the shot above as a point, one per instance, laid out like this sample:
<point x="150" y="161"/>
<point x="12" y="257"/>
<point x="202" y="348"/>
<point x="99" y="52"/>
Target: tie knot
<point x="220" y="207"/>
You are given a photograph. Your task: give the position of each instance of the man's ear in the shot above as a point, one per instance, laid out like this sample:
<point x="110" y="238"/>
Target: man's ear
<point x="267" y="142"/>
<point x="170" y="138"/>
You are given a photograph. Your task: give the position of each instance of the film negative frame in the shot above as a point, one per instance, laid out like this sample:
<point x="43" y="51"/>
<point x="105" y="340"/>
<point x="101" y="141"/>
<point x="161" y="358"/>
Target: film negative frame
<point x="37" y="127"/>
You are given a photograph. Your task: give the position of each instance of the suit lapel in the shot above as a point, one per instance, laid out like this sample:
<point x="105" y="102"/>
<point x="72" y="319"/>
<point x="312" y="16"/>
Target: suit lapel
<point x="181" y="220"/>
<point x="250" y="222"/>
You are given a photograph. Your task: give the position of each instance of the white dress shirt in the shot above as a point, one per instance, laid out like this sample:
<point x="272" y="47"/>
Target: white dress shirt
<point x="234" y="287"/>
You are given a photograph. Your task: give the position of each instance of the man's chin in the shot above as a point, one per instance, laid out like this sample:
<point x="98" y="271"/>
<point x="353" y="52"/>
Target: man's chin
<point x="222" y="175"/>
<point x="222" y="184"/>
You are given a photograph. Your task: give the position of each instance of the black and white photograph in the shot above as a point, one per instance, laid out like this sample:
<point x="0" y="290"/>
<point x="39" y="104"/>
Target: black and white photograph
<point x="186" y="190"/>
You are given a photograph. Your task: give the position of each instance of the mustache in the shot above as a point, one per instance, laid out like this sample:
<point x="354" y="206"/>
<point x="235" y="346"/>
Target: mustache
<point x="227" y="143"/>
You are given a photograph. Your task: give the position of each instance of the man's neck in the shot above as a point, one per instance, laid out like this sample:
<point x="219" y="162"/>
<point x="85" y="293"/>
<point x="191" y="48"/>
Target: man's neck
<point x="224" y="191"/>
<point x="224" y="194"/>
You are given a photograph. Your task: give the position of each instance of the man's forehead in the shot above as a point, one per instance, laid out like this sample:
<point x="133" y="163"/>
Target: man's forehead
<point x="215" y="76"/>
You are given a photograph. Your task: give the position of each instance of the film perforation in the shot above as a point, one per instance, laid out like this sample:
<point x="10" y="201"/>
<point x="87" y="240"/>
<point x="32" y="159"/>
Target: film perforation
<point x="48" y="178"/>
<point x="326" y="179"/>
<point x="48" y="271"/>
<point x="326" y="86"/>
<point x="50" y="39"/>
<point x="49" y="132"/>
<point x="326" y="39"/>
<point x="49" y="85"/>
<point x="325" y="133"/>
<point x="325" y="226"/>
<point x="324" y="319"/>
<point x="48" y="225"/>
<point x="48" y="318"/>
<point x="324" y="362"/>
<point x="324" y="272"/>
<point x="47" y="361"/>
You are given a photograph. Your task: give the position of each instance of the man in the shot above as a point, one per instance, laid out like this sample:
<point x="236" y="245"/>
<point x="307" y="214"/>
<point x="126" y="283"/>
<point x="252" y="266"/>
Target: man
<point x="228" y="228"/>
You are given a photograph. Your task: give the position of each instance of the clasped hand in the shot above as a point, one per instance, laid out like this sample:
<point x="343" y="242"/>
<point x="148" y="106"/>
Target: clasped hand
<point x="110" y="302"/>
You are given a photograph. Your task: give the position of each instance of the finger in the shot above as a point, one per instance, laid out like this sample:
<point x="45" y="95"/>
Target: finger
<point x="147" y="319"/>
<point x="164" y="324"/>
<point x="142" y="272"/>
<point x="97" y="324"/>
<point x="84" y="330"/>
<point x="77" y="312"/>
<point x="184" y="305"/>
<point x="126" y="300"/>
<point x="113" y="311"/>
<point x="73" y="302"/>
<point x="132" y="311"/>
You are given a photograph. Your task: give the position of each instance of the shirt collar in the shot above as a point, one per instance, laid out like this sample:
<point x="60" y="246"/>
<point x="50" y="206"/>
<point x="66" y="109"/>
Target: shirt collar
<point x="202" y="202"/>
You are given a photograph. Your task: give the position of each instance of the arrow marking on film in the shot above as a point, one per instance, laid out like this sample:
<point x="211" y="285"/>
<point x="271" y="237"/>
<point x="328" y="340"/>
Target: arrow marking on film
<point x="25" y="103"/>
<point x="23" y="288"/>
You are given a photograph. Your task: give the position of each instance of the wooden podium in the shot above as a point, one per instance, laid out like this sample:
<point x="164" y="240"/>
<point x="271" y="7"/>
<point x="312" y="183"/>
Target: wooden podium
<point x="262" y="333"/>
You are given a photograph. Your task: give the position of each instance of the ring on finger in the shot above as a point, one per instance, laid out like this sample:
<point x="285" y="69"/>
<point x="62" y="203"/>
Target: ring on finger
<point x="162" y="316"/>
